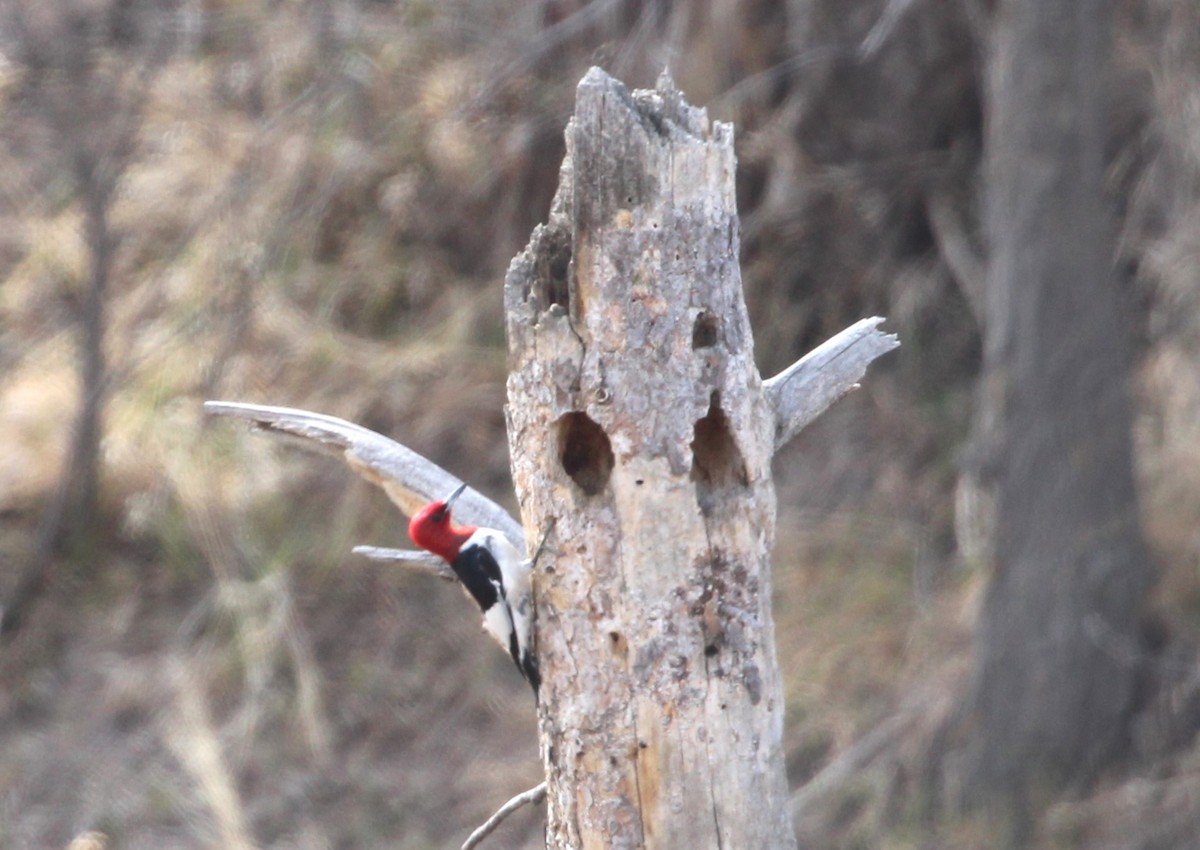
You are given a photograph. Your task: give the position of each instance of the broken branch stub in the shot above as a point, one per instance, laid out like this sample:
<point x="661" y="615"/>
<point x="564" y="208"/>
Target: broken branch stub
<point x="638" y="421"/>
<point x="806" y="389"/>
<point x="414" y="559"/>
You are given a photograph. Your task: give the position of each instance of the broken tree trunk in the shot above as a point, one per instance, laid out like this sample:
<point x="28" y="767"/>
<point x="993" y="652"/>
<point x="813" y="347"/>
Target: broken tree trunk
<point x="638" y="422"/>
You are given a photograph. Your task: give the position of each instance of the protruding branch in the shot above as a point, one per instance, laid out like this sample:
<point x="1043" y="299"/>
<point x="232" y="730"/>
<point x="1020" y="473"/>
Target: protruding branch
<point x="806" y="389"/>
<point x="410" y="480"/>
<point x="532" y="796"/>
<point x="413" y="559"/>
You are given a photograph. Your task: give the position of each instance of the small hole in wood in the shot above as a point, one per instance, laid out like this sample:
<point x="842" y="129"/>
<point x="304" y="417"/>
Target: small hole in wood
<point x="618" y="644"/>
<point x="585" y="452"/>
<point x="717" y="462"/>
<point x="704" y="331"/>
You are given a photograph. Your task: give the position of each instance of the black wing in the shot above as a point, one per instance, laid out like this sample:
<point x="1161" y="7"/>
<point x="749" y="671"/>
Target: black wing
<point x="479" y="573"/>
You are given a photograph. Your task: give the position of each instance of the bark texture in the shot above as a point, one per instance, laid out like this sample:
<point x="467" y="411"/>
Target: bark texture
<point x="1057" y="665"/>
<point x="638" y="423"/>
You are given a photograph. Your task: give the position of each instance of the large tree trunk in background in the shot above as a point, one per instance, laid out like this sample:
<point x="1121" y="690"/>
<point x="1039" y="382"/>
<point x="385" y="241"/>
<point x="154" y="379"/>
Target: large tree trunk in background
<point x="1055" y="676"/>
<point x="638" y="422"/>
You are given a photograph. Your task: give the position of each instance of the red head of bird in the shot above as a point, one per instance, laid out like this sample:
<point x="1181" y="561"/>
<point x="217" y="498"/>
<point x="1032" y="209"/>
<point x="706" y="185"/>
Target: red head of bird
<point x="433" y="529"/>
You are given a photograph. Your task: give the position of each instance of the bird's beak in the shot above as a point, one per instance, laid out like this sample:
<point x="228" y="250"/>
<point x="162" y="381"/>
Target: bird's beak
<point x="454" y="496"/>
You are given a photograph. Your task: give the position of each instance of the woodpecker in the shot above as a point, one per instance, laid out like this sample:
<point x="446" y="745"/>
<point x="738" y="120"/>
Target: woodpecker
<point x="492" y="572"/>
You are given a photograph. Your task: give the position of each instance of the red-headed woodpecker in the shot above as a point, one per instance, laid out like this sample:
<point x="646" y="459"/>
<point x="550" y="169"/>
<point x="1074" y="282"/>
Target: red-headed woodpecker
<point x="491" y="570"/>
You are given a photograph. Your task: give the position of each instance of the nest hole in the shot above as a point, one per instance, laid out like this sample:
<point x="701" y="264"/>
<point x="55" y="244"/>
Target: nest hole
<point x="704" y="331"/>
<point x="717" y="462"/>
<point x="585" y="452"/>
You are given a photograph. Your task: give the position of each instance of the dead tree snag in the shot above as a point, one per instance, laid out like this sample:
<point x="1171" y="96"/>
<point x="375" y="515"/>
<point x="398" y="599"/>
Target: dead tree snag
<point x="638" y="421"/>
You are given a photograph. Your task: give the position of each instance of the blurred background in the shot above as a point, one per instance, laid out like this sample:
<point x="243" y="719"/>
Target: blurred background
<point x="312" y="203"/>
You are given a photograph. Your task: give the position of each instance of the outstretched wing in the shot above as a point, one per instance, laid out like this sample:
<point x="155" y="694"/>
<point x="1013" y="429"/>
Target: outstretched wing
<point x="410" y="480"/>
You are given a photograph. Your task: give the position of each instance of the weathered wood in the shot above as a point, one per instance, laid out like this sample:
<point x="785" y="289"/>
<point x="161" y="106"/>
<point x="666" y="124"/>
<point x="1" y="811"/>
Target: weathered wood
<point x="806" y="389"/>
<point x="413" y="559"/>
<point x="638" y="421"/>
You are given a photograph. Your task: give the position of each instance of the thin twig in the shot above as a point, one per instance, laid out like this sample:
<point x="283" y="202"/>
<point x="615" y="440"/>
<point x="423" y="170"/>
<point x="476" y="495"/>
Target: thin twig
<point x="840" y="770"/>
<point x="884" y="26"/>
<point x="533" y="796"/>
<point x="967" y="266"/>
<point x="545" y="536"/>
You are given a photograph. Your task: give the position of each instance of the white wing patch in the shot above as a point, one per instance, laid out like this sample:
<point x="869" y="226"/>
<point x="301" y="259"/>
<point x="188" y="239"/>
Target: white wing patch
<point x="514" y="615"/>
<point x="497" y="621"/>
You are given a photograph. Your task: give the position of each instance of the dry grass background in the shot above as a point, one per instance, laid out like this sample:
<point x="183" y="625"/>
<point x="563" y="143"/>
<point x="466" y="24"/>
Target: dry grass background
<point x="319" y="211"/>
